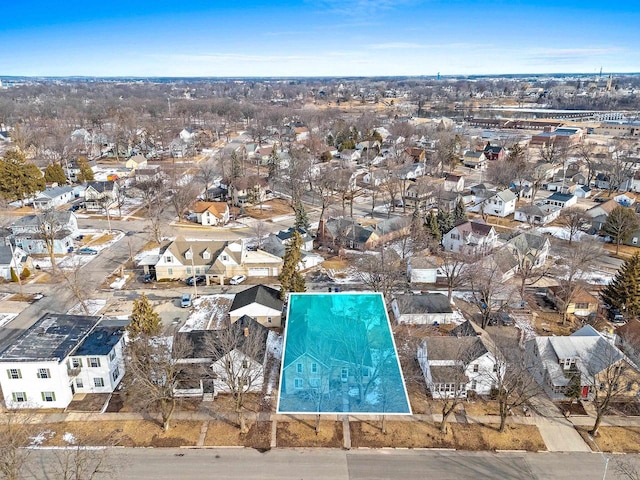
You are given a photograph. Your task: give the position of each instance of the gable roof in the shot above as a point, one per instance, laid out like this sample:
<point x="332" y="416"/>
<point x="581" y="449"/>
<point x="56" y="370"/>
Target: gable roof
<point x="476" y="228"/>
<point x="218" y="209"/>
<point x="100" y="187"/>
<point x="261" y="294"/>
<point x="425" y="303"/>
<point x="180" y="247"/>
<point x="452" y="348"/>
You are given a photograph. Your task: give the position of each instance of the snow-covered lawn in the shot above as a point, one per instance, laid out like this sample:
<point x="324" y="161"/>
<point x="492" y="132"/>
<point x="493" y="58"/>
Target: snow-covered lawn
<point x="93" y="306"/>
<point x="525" y="326"/>
<point x="209" y="313"/>
<point x="119" y="282"/>
<point x="6" y="318"/>
<point x="146" y="253"/>
<point x="563" y="233"/>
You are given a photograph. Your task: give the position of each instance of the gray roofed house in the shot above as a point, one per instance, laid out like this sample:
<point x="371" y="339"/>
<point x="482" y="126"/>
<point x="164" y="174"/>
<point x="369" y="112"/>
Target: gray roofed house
<point x="537" y="214"/>
<point x="53" y="197"/>
<point x="562" y="200"/>
<point x="13" y="258"/>
<point x="585" y="353"/>
<point x="425" y="309"/>
<point x="348" y="233"/>
<point x="259" y="302"/>
<point x="27" y="231"/>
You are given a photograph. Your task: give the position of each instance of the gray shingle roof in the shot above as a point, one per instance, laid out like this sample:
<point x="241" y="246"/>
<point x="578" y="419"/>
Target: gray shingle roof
<point x="267" y="296"/>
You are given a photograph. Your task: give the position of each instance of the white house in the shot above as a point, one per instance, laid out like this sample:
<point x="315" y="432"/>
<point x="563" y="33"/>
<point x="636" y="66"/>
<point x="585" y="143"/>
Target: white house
<point x="562" y="200"/>
<point x="58" y="356"/>
<point x="375" y="178"/>
<point x="470" y="238"/>
<point x="425" y="309"/>
<point x="475" y="160"/>
<point x="13" y="258"/>
<point x="211" y="213"/>
<point x="259" y="302"/>
<point x="350" y="155"/>
<point x="461" y="363"/>
<point x="53" y="197"/>
<point x="454" y="183"/>
<point x="100" y="194"/>
<point x="538" y="214"/>
<point x="501" y="204"/>
<point x="27" y="231"/>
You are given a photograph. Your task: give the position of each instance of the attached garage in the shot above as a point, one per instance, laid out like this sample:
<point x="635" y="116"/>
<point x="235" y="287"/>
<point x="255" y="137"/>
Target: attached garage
<point x="259" y="272"/>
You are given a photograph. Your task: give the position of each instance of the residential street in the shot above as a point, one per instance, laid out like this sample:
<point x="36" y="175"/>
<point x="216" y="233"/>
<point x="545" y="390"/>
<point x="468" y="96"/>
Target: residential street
<point x="330" y="464"/>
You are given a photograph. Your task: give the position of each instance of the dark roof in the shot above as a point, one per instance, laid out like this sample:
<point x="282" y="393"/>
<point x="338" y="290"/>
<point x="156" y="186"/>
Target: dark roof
<point x="208" y="344"/>
<point x="447" y="373"/>
<point x="101" y="341"/>
<point x="465" y="329"/>
<point x="285" y="235"/>
<point x="426" y="303"/>
<point x="561" y="197"/>
<point x="267" y="296"/>
<point x="454" y="348"/>
<point x="101" y="186"/>
<point x="52" y="337"/>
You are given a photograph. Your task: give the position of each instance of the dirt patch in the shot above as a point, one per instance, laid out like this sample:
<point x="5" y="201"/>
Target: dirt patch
<point x="101" y="240"/>
<point x="115" y="403"/>
<point x="270" y="209"/>
<point x="399" y="434"/>
<point x="487" y="437"/>
<point x="226" y="433"/>
<point x="480" y="407"/>
<point x="335" y="264"/>
<point x="259" y="436"/>
<point x="574" y="408"/>
<point x="302" y="434"/>
<point x="127" y="433"/>
<point x="91" y="402"/>
<point x="627" y="409"/>
<point x="613" y="439"/>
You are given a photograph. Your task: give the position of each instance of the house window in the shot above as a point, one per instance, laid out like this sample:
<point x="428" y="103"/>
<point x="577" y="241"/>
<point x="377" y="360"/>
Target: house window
<point x="188" y="270"/>
<point x="79" y="383"/>
<point x="225" y="258"/>
<point x="245" y="364"/>
<point x="269" y="319"/>
<point x="167" y="259"/>
<point x="582" y="306"/>
<point x="94" y="362"/>
<point x="365" y="372"/>
<point x="495" y="367"/>
<point x="76" y="362"/>
<point x="206" y="255"/>
<point x="14" y="373"/>
<point x="298" y="383"/>
<point x="474" y="384"/>
<point x="314" y="368"/>
<point x="48" y="396"/>
<point x="98" y="382"/>
<point x="112" y="355"/>
<point x="476" y="368"/>
<point x="19" y="397"/>
<point x="44" y="373"/>
<point x="169" y="271"/>
<point x="314" y="382"/>
<point x="344" y="374"/>
<point x="299" y="368"/>
<point x="634" y="240"/>
<point x="115" y="374"/>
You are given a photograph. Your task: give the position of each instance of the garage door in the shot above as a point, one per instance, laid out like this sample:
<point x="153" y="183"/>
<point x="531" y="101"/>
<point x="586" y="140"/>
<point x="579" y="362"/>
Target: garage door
<point x="258" y="272"/>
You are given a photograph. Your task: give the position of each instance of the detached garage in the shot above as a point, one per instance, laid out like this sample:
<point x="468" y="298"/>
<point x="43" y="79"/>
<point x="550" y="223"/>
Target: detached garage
<point x="259" y="272"/>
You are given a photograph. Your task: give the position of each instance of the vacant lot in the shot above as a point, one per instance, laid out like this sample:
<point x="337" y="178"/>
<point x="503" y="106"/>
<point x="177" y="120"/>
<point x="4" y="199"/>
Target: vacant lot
<point x="302" y="434"/>
<point x="613" y="439"/>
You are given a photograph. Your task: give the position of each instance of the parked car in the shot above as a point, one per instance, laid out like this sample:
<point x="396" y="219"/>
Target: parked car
<point x="237" y="280"/>
<point x="501" y="319"/>
<point x="87" y="251"/>
<point x="199" y="280"/>
<point x="147" y="278"/>
<point x="185" y="301"/>
<point x="616" y="316"/>
<point x="74" y="208"/>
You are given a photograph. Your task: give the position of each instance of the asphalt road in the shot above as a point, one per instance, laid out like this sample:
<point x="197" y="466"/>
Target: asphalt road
<point x="329" y="464"/>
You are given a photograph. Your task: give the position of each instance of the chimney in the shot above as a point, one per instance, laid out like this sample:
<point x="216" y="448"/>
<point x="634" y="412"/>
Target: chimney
<point x="246" y="331"/>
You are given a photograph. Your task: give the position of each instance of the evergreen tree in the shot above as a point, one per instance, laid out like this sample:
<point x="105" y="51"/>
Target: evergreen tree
<point x="86" y="173"/>
<point x="574" y="390"/>
<point x="623" y="292"/>
<point x="19" y="179"/>
<point x="460" y="213"/>
<point x="302" y="219"/>
<point x="445" y="222"/>
<point x="144" y="319"/>
<point x="433" y="228"/>
<point x="620" y="224"/>
<point x="291" y="280"/>
<point x="55" y="174"/>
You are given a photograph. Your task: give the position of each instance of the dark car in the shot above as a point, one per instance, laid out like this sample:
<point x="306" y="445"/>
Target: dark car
<point x="74" y="208"/>
<point x="199" y="280"/>
<point x="87" y="251"/>
<point x="501" y="319"/>
<point x="148" y="278"/>
<point x="616" y="316"/>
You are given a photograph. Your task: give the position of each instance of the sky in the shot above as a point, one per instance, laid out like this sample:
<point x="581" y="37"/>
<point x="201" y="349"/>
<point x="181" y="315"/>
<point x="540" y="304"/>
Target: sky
<point x="317" y="38"/>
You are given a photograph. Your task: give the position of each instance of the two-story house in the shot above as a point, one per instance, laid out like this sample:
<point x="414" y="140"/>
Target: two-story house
<point x="584" y="357"/>
<point x="61" y="355"/>
<point x="475" y="160"/>
<point x="236" y="259"/>
<point x="471" y="238"/>
<point x="463" y="362"/>
<point x="454" y="183"/>
<point x="259" y="302"/>
<point x="101" y="195"/>
<point x="13" y="259"/>
<point x="182" y="259"/>
<point x="27" y="231"/>
<point x="211" y="213"/>
<point x="501" y="203"/>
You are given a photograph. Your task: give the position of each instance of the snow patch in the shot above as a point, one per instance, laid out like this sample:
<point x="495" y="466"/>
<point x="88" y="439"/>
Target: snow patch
<point x="41" y="437"/>
<point x="69" y="438"/>
<point x="6" y="318"/>
<point x="93" y="307"/>
<point x="209" y="313"/>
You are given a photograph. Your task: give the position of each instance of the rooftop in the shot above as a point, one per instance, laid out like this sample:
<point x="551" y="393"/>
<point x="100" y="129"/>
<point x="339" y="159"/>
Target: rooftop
<point x="101" y="341"/>
<point x="52" y="337"/>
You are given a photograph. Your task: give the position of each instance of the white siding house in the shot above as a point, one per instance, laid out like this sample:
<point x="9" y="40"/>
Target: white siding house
<point x="470" y="238"/>
<point x="58" y="356"/>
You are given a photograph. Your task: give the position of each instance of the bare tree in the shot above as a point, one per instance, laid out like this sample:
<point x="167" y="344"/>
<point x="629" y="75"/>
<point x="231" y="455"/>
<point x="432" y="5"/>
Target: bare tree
<point x="152" y="373"/>
<point x="454" y="267"/>
<point x="13" y="438"/>
<point x="578" y="262"/>
<point x="574" y="220"/>
<point x="50" y="229"/>
<point x="76" y="280"/>
<point x="152" y="193"/>
<point x="182" y="196"/>
<point x="81" y="463"/>
<point x="381" y="272"/>
<point x="207" y="173"/>
<point x="611" y="376"/>
<point x="586" y="151"/>
<point x="489" y="292"/>
<point x="240" y="370"/>
<point x="514" y="385"/>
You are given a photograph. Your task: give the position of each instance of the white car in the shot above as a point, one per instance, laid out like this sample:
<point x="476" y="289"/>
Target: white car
<point x="237" y="280"/>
